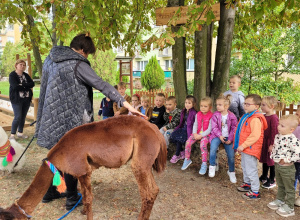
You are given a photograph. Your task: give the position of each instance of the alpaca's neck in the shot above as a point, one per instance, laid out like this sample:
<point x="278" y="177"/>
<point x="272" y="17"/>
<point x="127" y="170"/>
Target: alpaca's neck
<point x="37" y="189"/>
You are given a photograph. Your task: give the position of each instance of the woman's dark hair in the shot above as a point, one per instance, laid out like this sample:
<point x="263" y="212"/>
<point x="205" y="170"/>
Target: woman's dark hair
<point x="84" y="42"/>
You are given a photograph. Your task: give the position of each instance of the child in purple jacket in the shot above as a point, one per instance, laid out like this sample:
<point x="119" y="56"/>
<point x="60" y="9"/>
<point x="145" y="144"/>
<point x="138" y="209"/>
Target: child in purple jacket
<point x="185" y="128"/>
<point x="223" y="125"/>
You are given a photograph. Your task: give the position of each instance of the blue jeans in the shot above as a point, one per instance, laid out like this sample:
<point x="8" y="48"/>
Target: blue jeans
<point x="214" y="145"/>
<point x="20" y="112"/>
<point x="105" y="117"/>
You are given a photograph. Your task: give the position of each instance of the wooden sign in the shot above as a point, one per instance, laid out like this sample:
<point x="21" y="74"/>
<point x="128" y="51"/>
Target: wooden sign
<point x="163" y="15"/>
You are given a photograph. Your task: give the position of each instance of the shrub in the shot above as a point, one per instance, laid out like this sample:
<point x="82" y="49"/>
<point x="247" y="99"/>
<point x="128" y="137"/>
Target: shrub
<point x="153" y="77"/>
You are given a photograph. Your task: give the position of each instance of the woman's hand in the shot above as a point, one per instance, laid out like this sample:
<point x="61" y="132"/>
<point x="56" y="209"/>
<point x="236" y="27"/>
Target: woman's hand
<point x="133" y="110"/>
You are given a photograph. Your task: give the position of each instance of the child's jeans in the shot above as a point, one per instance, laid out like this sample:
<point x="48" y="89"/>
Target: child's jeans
<point x="105" y="117"/>
<point x="203" y="147"/>
<point x="214" y="145"/>
<point x="166" y="134"/>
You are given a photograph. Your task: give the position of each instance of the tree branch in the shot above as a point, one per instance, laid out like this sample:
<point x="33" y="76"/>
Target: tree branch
<point x="48" y="32"/>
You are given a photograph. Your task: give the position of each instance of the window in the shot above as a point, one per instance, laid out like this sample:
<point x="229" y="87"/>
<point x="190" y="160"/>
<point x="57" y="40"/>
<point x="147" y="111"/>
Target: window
<point x="168" y="64"/>
<point x="20" y="28"/>
<point x="141" y="65"/>
<point x="190" y="64"/>
<point x="11" y="39"/>
<point x="120" y="50"/>
<point x="10" y="27"/>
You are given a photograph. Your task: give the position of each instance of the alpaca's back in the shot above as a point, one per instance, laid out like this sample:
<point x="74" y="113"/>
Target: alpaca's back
<point x="108" y="143"/>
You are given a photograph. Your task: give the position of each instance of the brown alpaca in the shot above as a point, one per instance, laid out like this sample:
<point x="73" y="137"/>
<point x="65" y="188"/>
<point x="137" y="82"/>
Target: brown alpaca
<point x="109" y="143"/>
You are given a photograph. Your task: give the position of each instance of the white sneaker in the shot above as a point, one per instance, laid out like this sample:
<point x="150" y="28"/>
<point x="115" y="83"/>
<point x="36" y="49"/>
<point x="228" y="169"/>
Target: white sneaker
<point x="212" y="171"/>
<point x="231" y="176"/>
<point x="297" y="202"/>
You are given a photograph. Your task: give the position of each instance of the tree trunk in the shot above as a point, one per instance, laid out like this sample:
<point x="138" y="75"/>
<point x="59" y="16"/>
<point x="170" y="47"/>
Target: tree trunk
<point x="223" y="53"/>
<point x="34" y="42"/>
<point x="179" y="61"/>
<point x="210" y="30"/>
<point x="200" y="63"/>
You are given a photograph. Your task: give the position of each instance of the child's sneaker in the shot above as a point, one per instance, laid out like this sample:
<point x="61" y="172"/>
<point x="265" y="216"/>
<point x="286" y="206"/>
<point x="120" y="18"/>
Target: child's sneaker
<point x="231" y="176"/>
<point x="182" y="155"/>
<point x="262" y="179"/>
<point x="297" y="202"/>
<point x="186" y="163"/>
<point x="251" y="195"/>
<point x="269" y="184"/>
<point x="245" y="187"/>
<point x="203" y="169"/>
<point x="285" y="211"/>
<point x="175" y="159"/>
<point x="212" y="171"/>
<point x="276" y="204"/>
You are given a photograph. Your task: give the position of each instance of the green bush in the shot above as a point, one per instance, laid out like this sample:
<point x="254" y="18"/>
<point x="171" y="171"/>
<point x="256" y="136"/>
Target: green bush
<point x="124" y="79"/>
<point x="190" y="87"/>
<point x="153" y="77"/>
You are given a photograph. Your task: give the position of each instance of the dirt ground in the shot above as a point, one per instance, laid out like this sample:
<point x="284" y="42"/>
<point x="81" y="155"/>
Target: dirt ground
<point x="183" y="194"/>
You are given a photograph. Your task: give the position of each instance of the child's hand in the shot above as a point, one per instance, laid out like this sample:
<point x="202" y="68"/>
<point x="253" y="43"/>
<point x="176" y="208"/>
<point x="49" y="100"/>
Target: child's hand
<point x="99" y="117"/>
<point x="240" y="149"/>
<point x="194" y="136"/>
<point x="222" y="139"/>
<point x="281" y="162"/>
<point x="164" y="128"/>
<point x="117" y="113"/>
<point x="270" y="148"/>
<point x="198" y="137"/>
<point x="228" y="142"/>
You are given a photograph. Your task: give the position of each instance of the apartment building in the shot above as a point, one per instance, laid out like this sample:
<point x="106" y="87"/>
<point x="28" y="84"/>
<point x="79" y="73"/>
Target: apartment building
<point x="10" y="33"/>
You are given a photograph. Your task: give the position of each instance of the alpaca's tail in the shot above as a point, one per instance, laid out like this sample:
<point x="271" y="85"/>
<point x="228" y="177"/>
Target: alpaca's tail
<point x="161" y="160"/>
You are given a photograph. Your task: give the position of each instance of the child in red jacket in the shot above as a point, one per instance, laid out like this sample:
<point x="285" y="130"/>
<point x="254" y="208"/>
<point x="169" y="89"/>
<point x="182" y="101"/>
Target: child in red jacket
<point x="248" y="142"/>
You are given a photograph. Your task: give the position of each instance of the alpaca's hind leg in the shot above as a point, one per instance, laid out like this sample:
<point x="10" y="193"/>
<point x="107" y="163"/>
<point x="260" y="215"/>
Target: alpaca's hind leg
<point x="85" y="183"/>
<point x="148" y="189"/>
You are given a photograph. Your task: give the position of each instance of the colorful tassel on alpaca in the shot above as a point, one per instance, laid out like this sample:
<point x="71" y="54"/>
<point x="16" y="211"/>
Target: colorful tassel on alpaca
<point x="4" y="162"/>
<point x="9" y="157"/>
<point x="58" y="180"/>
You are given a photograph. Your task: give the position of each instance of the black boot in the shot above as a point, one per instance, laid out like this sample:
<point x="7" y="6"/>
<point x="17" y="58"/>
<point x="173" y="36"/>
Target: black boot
<point x="52" y="194"/>
<point x="72" y="199"/>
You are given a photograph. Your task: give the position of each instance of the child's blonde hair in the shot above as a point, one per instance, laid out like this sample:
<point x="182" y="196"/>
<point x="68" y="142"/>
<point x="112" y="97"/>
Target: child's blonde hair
<point x="293" y="119"/>
<point x="236" y="77"/>
<point x="121" y="85"/>
<point x="145" y="98"/>
<point x="271" y="100"/>
<point x="226" y="98"/>
<point x="161" y="95"/>
<point x="207" y="99"/>
<point x="172" y="98"/>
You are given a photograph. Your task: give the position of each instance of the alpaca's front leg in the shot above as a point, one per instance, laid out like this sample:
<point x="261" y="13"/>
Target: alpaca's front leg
<point x="86" y="190"/>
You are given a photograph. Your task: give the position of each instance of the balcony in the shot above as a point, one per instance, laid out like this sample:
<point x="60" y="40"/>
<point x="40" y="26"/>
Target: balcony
<point x="167" y="52"/>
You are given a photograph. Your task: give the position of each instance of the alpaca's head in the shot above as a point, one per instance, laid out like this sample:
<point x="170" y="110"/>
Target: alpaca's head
<point x="12" y="213"/>
<point x="7" y="215"/>
<point x="3" y="137"/>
